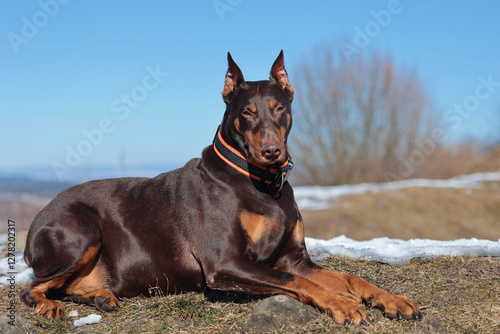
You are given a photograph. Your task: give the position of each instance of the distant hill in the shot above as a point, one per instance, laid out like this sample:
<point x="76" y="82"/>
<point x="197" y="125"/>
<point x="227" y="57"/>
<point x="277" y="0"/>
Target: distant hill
<point x="24" y="192"/>
<point x="42" y="181"/>
<point x="21" y="198"/>
<point x="25" y="185"/>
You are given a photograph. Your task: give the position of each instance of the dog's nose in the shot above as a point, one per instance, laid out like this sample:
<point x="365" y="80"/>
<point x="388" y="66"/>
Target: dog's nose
<point x="271" y="151"/>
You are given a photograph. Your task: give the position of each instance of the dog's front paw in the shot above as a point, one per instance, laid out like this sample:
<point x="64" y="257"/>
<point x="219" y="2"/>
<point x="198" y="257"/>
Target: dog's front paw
<point x="50" y="309"/>
<point x="397" y="307"/>
<point x="346" y="311"/>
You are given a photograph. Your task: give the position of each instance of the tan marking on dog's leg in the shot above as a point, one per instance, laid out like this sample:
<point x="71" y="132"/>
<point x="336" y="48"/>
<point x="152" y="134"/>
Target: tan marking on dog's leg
<point x="94" y="280"/>
<point x="46" y="307"/>
<point x="362" y="291"/>
<point x="337" y="306"/>
<point x="50" y="308"/>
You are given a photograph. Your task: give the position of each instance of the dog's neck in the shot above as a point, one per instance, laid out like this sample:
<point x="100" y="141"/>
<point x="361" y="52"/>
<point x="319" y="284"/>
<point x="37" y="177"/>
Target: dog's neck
<point x="273" y="177"/>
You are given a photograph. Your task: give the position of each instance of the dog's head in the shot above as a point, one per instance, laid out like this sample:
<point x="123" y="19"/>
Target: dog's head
<point x="258" y="114"/>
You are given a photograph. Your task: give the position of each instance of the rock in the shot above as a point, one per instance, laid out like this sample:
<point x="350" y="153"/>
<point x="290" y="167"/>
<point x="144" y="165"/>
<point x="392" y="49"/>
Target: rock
<point x="276" y="312"/>
<point x="436" y="326"/>
<point x="132" y="327"/>
<point x="16" y="325"/>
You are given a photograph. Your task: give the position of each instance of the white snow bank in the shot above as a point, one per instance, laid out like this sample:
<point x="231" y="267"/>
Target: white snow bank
<point x="88" y="320"/>
<point x="319" y="198"/>
<point x="396" y="252"/>
<point x="391" y="251"/>
<point x="19" y="270"/>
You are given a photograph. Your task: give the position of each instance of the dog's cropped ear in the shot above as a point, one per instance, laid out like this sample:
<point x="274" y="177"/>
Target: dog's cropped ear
<point x="234" y="80"/>
<point x="278" y="74"/>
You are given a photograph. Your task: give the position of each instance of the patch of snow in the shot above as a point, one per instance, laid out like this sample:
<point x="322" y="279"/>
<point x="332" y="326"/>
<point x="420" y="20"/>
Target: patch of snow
<point x="22" y="274"/>
<point x="397" y="252"/>
<point x="73" y="313"/>
<point x="88" y="320"/>
<point x="3" y="242"/>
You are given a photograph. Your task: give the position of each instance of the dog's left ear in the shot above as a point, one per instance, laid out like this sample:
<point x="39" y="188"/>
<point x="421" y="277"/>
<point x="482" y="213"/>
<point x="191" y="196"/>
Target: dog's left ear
<point x="278" y="74"/>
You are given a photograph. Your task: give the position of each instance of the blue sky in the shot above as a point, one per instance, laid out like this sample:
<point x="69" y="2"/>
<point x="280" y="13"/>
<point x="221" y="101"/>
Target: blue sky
<point x="67" y="68"/>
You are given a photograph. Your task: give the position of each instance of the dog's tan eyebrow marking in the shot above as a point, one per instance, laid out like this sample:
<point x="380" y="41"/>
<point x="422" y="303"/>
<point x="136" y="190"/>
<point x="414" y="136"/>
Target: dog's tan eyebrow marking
<point x="273" y="103"/>
<point x="252" y="108"/>
<point x="237" y="124"/>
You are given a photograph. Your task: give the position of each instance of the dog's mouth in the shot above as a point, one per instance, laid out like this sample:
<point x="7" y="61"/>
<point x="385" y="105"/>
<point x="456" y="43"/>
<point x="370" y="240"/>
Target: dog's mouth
<point x="269" y="154"/>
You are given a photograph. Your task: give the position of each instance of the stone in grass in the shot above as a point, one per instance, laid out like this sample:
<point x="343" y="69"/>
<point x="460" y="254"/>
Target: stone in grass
<point x="16" y="325"/>
<point x="276" y="312"/>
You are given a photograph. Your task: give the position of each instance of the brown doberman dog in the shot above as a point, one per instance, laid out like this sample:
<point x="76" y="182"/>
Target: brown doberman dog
<point x="227" y="221"/>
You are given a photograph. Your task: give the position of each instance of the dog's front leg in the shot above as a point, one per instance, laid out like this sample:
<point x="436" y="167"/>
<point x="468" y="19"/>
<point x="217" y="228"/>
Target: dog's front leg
<point x="296" y="260"/>
<point x="245" y="276"/>
<point x="394" y="306"/>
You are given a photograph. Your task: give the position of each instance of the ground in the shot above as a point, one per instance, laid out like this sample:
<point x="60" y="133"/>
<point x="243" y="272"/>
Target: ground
<point x="425" y="213"/>
<point x="456" y="295"/>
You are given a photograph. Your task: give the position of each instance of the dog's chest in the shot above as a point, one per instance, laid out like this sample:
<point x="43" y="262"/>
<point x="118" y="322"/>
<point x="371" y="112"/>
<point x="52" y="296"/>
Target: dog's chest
<point x="264" y="234"/>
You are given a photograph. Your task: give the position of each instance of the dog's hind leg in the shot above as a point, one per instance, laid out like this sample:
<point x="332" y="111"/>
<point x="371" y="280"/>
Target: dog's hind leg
<point x="36" y="293"/>
<point x="65" y="258"/>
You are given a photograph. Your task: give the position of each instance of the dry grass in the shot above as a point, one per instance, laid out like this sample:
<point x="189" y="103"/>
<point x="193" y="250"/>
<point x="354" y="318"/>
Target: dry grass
<point x="24" y="212"/>
<point x="490" y="163"/>
<point x="449" y="161"/>
<point x="457" y="295"/>
<point x="440" y="214"/>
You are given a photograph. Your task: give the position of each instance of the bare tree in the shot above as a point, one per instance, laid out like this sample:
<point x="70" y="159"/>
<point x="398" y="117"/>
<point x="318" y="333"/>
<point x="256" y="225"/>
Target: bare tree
<point x="355" y="121"/>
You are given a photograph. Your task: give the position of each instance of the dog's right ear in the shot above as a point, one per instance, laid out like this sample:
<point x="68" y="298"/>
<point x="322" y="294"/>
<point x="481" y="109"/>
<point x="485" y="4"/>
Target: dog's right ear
<point x="234" y="80"/>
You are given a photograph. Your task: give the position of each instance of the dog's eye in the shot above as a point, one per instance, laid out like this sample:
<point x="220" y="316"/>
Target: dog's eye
<point x="247" y="113"/>
<point x="280" y="109"/>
